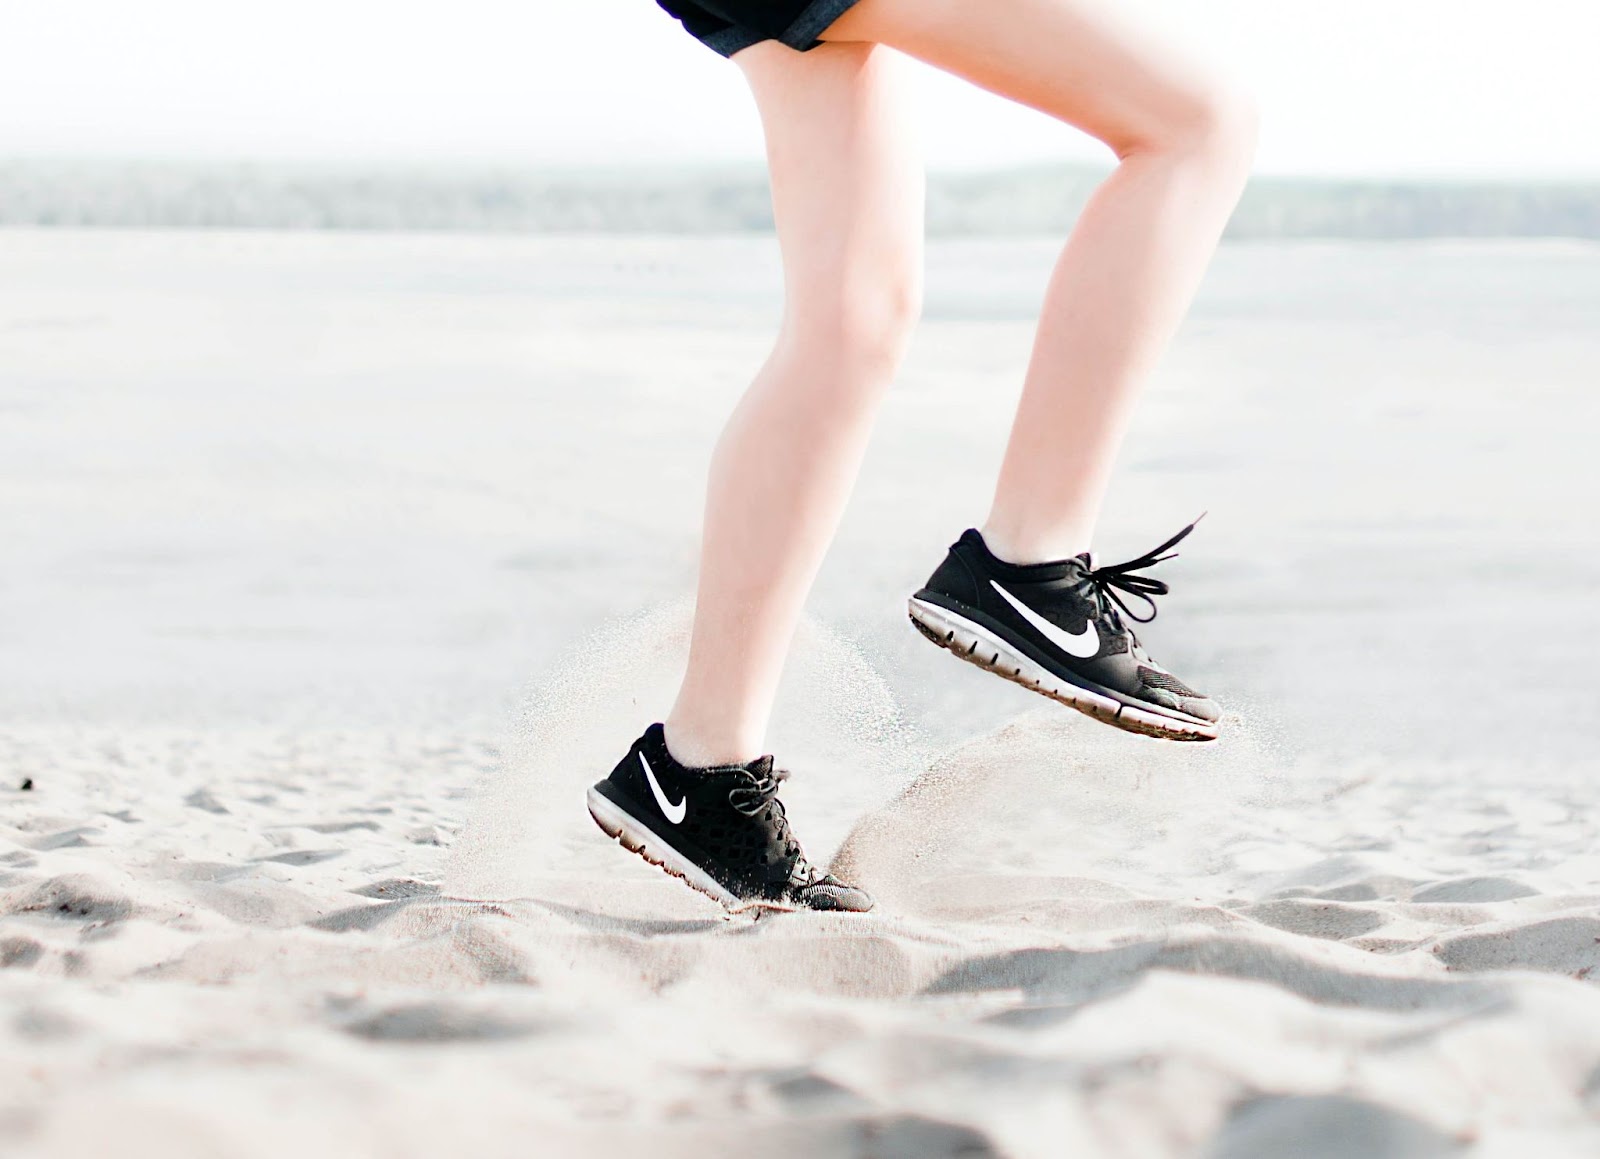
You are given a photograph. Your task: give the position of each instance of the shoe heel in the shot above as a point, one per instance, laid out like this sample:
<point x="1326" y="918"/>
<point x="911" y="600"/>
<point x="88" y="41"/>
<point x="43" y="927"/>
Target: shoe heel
<point x="636" y="837"/>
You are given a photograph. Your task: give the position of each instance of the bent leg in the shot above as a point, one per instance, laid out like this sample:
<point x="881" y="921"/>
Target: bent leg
<point x="847" y="199"/>
<point x="1137" y="253"/>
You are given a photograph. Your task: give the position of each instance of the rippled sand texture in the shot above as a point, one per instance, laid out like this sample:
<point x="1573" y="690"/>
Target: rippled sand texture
<point x="336" y="568"/>
<point x="238" y="945"/>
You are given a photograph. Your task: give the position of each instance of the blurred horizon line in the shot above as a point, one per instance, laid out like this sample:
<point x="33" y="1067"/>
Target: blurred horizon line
<point x="728" y="197"/>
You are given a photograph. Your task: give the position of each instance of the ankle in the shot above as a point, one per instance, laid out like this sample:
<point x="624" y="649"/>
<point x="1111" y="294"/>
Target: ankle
<point x="1024" y="546"/>
<point x="699" y="748"/>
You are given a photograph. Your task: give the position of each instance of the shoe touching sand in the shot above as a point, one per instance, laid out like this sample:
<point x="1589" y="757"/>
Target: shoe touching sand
<point x="1059" y="629"/>
<point x="721" y="829"/>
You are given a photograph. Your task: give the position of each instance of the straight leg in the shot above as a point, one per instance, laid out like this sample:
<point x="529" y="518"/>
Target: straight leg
<point x="847" y="197"/>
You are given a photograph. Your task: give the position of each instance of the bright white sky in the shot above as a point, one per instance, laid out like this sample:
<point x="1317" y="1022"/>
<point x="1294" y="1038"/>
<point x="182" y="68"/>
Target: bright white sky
<point x="1468" y="87"/>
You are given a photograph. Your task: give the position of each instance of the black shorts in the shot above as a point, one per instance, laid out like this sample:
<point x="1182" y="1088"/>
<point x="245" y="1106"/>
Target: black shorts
<point x="726" y="26"/>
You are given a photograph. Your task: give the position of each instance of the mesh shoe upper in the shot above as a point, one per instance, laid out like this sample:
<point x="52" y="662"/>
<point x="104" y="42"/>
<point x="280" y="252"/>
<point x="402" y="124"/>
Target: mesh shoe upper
<point x="1067" y="615"/>
<point x="728" y="821"/>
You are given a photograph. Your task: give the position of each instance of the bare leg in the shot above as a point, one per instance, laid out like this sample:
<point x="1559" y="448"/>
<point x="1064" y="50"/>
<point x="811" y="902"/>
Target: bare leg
<point x="1137" y="253"/>
<point x="847" y="195"/>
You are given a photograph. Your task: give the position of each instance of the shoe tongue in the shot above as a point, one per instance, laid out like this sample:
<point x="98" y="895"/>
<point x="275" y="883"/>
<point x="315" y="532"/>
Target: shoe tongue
<point x="758" y="768"/>
<point x="1086" y="558"/>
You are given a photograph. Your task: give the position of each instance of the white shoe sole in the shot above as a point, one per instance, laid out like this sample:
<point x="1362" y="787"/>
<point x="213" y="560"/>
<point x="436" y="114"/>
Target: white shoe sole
<point x="978" y="645"/>
<point x="634" y="836"/>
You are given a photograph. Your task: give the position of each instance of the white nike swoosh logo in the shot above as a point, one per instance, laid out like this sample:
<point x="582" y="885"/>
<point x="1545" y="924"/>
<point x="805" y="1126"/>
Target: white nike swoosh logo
<point x="673" y="813"/>
<point x="1083" y="645"/>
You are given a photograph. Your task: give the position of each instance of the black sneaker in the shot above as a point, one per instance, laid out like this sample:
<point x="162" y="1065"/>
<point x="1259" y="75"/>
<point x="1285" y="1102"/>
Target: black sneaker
<point x="1058" y="628"/>
<point x="721" y="829"/>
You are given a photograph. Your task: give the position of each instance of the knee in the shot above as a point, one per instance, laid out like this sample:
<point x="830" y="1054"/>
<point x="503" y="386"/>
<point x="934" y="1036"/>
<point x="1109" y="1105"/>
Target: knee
<point x="1208" y="119"/>
<point x="860" y="326"/>
<point x="1229" y="127"/>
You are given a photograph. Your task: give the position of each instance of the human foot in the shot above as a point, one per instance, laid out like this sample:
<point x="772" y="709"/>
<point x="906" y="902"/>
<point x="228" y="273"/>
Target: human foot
<point x="1059" y="629"/>
<point x="721" y="829"/>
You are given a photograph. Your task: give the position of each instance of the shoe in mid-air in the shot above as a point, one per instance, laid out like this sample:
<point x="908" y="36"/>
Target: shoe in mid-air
<point x="721" y="829"/>
<point x="1061" y="629"/>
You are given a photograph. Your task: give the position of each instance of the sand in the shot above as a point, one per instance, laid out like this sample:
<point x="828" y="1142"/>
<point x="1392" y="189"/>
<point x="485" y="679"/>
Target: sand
<point x="326" y="599"/>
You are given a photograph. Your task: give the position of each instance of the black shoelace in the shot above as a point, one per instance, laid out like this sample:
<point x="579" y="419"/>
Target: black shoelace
<point x="754" y="794"/>
<point x="1106" y="580"/>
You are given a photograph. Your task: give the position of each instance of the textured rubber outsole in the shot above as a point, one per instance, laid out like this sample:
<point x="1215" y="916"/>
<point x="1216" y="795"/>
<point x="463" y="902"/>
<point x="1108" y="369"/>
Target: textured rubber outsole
<point x="636" y="837"/>
<point x="978" y="645"/>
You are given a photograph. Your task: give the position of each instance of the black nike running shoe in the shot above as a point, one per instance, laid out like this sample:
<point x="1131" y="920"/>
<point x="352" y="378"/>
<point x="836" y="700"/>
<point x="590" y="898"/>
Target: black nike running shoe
<point x="721" y="829"/>
<point x="1059" y="629"/>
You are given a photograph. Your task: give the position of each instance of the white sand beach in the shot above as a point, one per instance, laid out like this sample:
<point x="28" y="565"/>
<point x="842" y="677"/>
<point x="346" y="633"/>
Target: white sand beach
<point x="335" y="568"/>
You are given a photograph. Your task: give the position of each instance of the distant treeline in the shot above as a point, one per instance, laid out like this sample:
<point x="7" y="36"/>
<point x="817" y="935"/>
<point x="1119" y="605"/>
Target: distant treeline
<point x="734" y="200"/>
